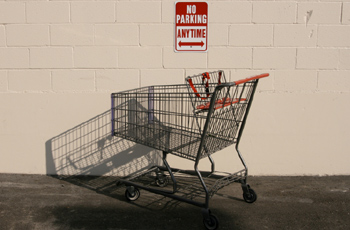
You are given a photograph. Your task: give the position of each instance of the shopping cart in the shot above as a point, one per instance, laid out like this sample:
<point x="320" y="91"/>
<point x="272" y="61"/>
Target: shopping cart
<point x="192" y="121"/>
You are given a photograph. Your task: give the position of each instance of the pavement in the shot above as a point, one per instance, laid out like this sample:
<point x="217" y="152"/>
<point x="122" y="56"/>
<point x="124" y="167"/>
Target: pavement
<point x="86" y="202"/>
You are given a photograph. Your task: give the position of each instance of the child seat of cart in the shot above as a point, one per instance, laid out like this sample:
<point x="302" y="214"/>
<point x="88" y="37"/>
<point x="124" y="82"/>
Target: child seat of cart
<point x="203" y="85"/>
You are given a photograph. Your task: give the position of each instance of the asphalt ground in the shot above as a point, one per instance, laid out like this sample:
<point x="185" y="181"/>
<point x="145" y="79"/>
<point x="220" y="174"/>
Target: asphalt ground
<point x="86" y="202"/>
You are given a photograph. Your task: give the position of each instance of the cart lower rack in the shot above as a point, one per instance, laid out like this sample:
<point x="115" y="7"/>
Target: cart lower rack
<point x="192" y="121"/>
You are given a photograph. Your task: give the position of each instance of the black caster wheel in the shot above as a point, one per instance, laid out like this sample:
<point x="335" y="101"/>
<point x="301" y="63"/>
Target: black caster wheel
<point x="162" y="181"/>
<point x="132" y="196"/>
<point x="251" y="197"/>
<point x="212" y="223"/>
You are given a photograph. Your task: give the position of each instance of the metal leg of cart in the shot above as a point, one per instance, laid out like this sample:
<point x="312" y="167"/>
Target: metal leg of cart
<point x="212" y="164"/>
<point x="249" y="194"/>
<point x="210" y="221"/>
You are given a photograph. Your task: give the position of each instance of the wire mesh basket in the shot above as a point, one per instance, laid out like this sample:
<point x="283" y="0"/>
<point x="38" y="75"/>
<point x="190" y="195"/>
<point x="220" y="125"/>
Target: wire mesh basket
<point x="193" y="121"/>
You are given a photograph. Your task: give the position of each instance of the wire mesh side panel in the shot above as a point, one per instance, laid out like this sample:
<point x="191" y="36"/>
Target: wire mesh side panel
<point x="163" y="117"/>
<point x="226" y="117"/>
<point x="160" y="117"/>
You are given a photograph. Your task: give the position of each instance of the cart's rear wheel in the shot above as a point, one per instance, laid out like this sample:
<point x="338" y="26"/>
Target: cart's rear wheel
<point x="132" y="196"/>
<point x="162" y="181"/>
<point x="212" y="223"/>
<point x="251" y="197"/>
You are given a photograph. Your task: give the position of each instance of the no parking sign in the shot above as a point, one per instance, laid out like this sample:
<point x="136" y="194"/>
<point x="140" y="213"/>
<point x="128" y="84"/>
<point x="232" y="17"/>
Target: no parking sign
<point x="191" y="26"/>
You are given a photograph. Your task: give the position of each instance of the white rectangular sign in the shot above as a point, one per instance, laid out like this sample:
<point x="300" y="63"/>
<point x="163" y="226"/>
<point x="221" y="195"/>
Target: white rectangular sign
<point x="191" y="26"/>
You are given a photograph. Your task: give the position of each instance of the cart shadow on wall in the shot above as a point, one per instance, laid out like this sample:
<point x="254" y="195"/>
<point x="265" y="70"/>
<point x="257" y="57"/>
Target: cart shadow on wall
<point x="88" y="156"/>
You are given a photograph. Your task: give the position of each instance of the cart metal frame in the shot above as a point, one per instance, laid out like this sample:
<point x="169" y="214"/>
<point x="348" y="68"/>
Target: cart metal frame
<point x="192" y="121"/>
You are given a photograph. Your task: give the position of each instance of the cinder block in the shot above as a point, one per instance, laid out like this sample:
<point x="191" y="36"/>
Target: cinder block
<point x="47" y="12"/>
<point x="319" y="12"/>
<point x="72" y="34"/>
<point x="157" y="35"/>
<point x="24" y="80"/>
<point x="57" y="57"/>
<point x="14" y="58"/>
<point x="337" y="81"/>
<point x="218" y="34"/>
<point x="117" y="79"/>
<point x="274" y="12"/>
<point x="93" y="11"/>
<point x="117" y="34"/>
<point x="168" y="11"/>
<point x="12" y="12"/>
<point x="162" y="77"/>
<point x="346" y="13"/>
<point x="334" y="36"/>
<point x="251" y="35"/>
<point x="2" y="36"/>
<point x="3" y="81"/>
<point x="317" y="58"/>
<point x="183" y="60"/>
<point x="295" y="35"/>
<point x="138" y="11"/>
<point x="295" y="80"/>
<point x="344" y="59"/>
<point x="95" y="57"/>
<point x="229" y="57"/>
<point x="27" y="35"/>
<point x="230" y="12"/>
<point x="73" y="80"/>
<point x="274" y="58"/>
<point x="140" y="57"/>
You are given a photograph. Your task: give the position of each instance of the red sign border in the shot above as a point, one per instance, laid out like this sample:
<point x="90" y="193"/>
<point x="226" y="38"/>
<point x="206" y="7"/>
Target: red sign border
<point x="175" y="32"/>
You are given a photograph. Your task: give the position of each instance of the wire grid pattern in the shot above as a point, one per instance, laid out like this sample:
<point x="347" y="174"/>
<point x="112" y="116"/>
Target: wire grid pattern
<point x="201" y="84"/>
<point x="89" y="149"/>
<point x="81" y="148"/>
<point x="165" y="118"/>
<point x="224" y="123"/>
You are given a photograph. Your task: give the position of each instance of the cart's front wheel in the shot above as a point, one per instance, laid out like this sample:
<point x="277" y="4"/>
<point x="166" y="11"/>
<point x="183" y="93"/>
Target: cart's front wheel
<point x="132" y="196"/>
<point x="251" y="197"/>
<point x="212" y="223"/>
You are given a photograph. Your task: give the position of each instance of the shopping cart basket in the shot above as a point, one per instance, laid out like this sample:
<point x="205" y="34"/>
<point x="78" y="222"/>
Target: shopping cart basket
<point x="192" y="121"/>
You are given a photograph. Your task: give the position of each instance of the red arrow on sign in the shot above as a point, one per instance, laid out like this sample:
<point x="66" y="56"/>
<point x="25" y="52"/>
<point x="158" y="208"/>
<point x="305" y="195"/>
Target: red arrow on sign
<point x="191" y="43"/>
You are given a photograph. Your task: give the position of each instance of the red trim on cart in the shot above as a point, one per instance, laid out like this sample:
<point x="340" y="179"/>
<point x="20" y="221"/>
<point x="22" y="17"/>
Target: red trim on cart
<point x="220" y="103"/>
<point x="251" y="78"/>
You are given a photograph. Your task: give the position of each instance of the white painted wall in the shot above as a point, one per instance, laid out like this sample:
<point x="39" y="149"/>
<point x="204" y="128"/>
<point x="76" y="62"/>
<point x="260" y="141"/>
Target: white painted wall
<point x="60" y="60"/>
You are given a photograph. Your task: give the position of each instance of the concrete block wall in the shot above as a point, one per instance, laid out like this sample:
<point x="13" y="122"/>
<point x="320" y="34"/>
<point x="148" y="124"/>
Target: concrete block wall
<point x="61" y="59"/>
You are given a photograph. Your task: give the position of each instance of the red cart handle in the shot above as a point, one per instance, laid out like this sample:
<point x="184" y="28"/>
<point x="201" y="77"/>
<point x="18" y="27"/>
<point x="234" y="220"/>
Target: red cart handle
<point x="251" y="78"/>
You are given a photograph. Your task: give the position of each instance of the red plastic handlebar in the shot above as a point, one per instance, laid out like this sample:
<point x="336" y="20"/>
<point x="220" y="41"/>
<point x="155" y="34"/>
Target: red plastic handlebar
<point x="251" y="78"/>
